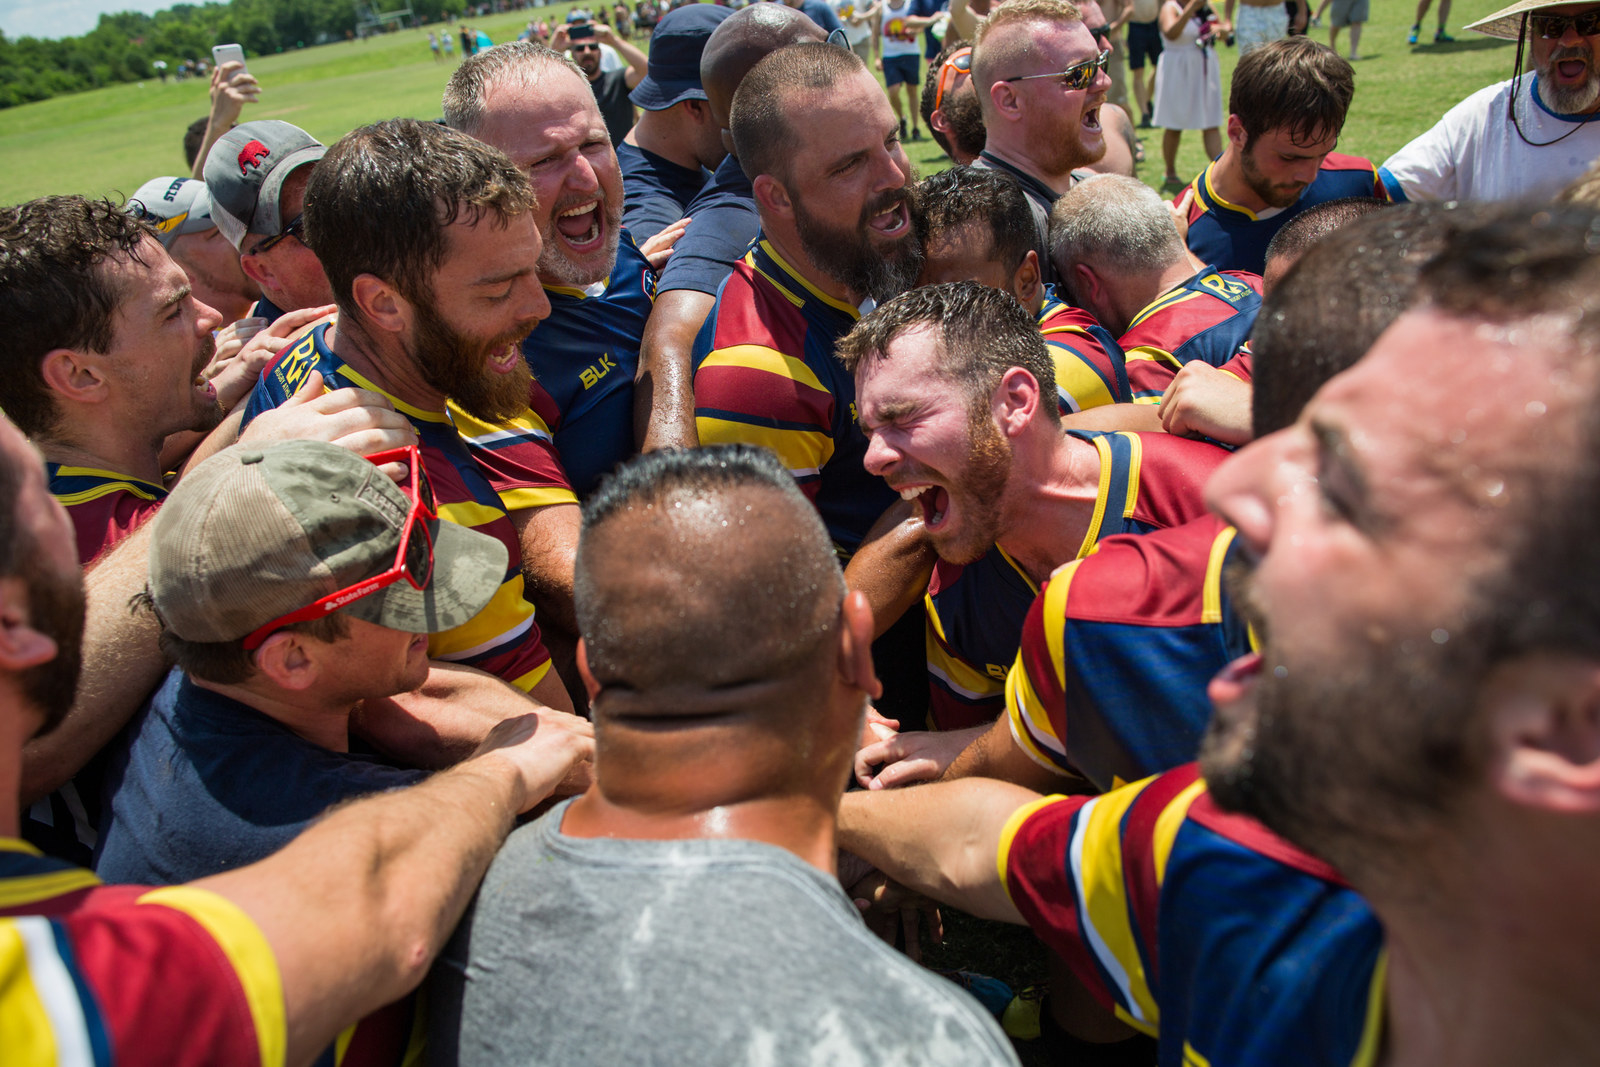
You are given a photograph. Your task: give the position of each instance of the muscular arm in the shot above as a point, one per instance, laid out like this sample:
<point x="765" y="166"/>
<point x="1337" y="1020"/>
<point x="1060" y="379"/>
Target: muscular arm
<point x="1139" y="417"/>
<point x="893" y="565"/>
<point x="356" y="908"/>
<point x="996" y="754"/>
<point x="663" y="395"/>
<point x="940" y="840"/>
<point x="549" y="538"/>
<point x="124" y="666"/>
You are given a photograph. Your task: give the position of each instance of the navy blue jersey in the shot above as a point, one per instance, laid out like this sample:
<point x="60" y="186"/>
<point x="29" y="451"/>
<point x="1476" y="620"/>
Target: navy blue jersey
<point x="725" y="226"/>
<point x="1200" y="927"/>
<point x="584" y="357"/>
<point x="655" y="191"/>
<point x="1233" y="238"/>
<point x="1206" y="317"/>
<point x="1148" y="481"/>
<point x="765" y="374"/>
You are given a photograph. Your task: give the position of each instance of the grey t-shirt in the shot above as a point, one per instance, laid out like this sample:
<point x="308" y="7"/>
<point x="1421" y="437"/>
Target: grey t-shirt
<point x="599" y="951"/>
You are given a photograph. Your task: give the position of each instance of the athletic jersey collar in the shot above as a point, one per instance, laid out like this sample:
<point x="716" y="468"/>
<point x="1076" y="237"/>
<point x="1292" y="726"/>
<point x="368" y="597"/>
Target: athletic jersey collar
<point x="1177" y="292"/>
<point x="1533" y="91"/>
<point x="765" y="261"/>
<point x="355" y="377"/>
<point x="1031" y="185"/>
<point x="137" y="486"/>
<point x="1206" y="192"/>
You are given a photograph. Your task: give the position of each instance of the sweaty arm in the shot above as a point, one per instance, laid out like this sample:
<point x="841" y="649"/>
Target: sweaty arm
<point x="663" y="392"/>
<point x="1134" y="417"/>
<point x="940" y="840"/>
<point x="893" y="565"/>
<point x="996" y="754"/>
<point x="355" y="909"/>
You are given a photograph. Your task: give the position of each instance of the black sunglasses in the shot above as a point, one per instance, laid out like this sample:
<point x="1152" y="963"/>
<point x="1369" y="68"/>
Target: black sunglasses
<point x="296" y="227"/>
<point x="1552" y="27"/>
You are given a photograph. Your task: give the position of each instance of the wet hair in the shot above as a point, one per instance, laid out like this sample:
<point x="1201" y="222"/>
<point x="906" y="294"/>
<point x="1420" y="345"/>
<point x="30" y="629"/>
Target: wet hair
<point x="961" y="195"/>
<point x="53" y="253"/>
<point x="743" y="584"/>
<point x="380" y="201"/>
<point x="983" y="333"/>
<point x="762" y="137"/>
<point x="1293" y="84"/>
<point x="1315" y="223"/>
<point x="468" y="89"/>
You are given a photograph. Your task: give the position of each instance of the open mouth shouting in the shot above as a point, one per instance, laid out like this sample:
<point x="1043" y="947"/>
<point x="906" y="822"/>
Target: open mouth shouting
<point x="892" y="222"/>
<point x="581" y="227"/>
<point x="934" y="501"/>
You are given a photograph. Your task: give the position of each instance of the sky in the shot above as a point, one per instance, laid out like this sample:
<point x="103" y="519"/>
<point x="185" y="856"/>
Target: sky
<point x="64" y="18"/>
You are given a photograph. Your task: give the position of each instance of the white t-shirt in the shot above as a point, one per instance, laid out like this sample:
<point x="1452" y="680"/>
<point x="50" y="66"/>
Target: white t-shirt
<point x="854" y="32"/>
<point x="1474" y="153"/>
<point x="897" y="39"/>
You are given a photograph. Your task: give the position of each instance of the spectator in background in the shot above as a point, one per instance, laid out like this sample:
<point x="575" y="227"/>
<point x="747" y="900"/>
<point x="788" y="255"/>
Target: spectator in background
<point x="820" y="12"/>
<point x="1439" y="36"/>
<point x="1527" y="137"/>
<point x="180" y="211"/>
<point x="1188" y="93"/>
<point x="1351" y="13"/>
<point x="667" y="156"/>
<point x="610" y="88"/>
<point x="232" y="87"/>
<point x="1259" y="22"/>
<point x="897" y="29"/>
<point x="857" y="25"/>
<point x="257" y="181"/>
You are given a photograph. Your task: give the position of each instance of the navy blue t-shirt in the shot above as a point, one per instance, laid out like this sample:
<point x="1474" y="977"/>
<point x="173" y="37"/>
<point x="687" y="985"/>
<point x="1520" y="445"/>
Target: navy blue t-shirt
<point x="724" y="226"/>
<point x="655" y="191"/>
<point x="201" y="783"/>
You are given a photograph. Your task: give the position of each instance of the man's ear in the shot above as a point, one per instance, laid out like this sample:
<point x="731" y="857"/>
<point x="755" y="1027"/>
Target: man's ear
<point x="1544" y="723"/>
<point x="772" y="196"/>
<point x="1015" y="401"/>
<point x="1025" y="279"/>
<point x="698" y="110"/>
<point x="286" y="660"/>
<point x="21" y="646"/>
<point x="1236" y="134"/>
<point x="77" y="376"/>
<point x="855" y="645"/>
<point x="1006" y="101"/>
<point x="258" y="270"/>
<point x="381" y="304"/>
<point x="590" y="686"/>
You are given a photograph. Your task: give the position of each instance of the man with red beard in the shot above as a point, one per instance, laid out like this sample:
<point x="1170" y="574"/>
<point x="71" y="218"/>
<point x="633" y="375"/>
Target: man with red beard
<point x="820" y="142"/>
<point x="1527" y="137"/>
<point x="1040" y="79"/>
<point x="430" y="242"/>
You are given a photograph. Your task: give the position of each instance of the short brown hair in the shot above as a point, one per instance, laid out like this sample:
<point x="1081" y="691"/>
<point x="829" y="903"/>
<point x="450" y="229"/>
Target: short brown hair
<point x="983" y="333"/>
<point x="57" y="294"/>
<point x="762" y="137"/>
<point x="1294" y="84"/>
<point x="990" y="198"/>
<point x="380" y="200"/>
<point x="227" y="662"/>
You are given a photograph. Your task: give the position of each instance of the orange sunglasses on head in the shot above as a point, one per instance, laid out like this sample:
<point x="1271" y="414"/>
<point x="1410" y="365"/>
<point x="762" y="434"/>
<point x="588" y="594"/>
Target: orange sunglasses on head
<point x="960" y="61"/>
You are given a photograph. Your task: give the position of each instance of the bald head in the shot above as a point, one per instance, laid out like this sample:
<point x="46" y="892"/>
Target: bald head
<point x="705" y="570"/>
<point x="744" y="39"/>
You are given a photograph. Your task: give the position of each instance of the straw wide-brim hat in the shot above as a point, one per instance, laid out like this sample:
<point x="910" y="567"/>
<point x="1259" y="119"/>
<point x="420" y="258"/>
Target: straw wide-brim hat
<point x="1507" y="22"/>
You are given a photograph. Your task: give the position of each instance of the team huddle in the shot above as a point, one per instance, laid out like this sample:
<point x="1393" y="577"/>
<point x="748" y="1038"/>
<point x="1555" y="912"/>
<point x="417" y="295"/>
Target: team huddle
<point x="508" y="590"/>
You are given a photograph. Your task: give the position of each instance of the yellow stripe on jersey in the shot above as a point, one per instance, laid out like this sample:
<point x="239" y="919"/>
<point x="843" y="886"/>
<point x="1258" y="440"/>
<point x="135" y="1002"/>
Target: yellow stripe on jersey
<point x="1135" y="465"/>
<point x="1192" y="1057"/>
<point x="762" y="358"/>
<point x="1008" y="834"/>
<point x="1096" y="865"/>
<point x="356" y="378"/>
<point x="1168" y="823"/>
<point x="526" y="682"/>
<point x="793" y="276"/>
<point x="1211" y="593"/>
<point x="481" y="632"/>
<point x="1084" y="388"/>
<point x="529" y="497"/>
<point x="249" y="954"/>
<point x="469" y="513"/>
<point x="961" y="676"/>
<point x="15" y="892"/>
<point x="113" y="483"/>
<point x="1103" y="447"/>
<point x="1372" y="1029"/>
<point x="27" y="1030"/>
<point x="1025" y="711"/>
<point x="1154" y="355"/>
<point x="804" y="452"/>
<point x="1169" y="299"/>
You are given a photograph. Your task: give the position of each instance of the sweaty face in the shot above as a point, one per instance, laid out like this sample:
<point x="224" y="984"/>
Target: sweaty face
<point x="851" y="190"/>
<point x="934" y="447"/>
<point x="160" y="346"/>
<point x="1369" y="537"/>
<point x="1061" y="126"/>
<point x="1277" y="169"/>
<point x="1568" y="66"/>
<point x="552" y="129"/>
<point x="486" y="298"/>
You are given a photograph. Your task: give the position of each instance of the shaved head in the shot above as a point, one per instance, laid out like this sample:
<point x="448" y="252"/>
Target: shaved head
<point x="705" y="570"/>
<point x="744" y="39"/>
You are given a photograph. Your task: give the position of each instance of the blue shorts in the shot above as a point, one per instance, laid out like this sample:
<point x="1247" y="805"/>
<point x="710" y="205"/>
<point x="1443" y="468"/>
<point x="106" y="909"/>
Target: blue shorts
<point x="897" y="69"/>
<point x="1144" y="41"/>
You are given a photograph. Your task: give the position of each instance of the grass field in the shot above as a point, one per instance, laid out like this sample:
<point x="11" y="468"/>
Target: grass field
<point x="112" y="140"/>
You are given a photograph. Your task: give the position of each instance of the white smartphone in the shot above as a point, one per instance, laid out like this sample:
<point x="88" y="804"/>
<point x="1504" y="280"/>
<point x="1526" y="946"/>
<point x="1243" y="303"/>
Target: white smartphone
<point x="229" y="53"/>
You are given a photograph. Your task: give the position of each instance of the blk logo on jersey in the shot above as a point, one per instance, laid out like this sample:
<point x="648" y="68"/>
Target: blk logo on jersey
<point x="591" y="375"/>
<point x="251" y="155"/>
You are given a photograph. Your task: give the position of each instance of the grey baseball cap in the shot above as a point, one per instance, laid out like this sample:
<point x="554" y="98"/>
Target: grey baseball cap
<point x="251" y="535"/>
<point x="174" y="206"/>
<point x="245" y="173"/>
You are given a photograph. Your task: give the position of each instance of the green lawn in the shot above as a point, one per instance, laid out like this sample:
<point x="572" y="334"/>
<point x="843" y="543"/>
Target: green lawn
<point x="112" y="140"/>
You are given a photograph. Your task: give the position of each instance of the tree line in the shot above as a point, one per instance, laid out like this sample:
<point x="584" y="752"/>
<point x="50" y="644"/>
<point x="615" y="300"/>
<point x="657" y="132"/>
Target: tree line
<point x="127" y="46"/>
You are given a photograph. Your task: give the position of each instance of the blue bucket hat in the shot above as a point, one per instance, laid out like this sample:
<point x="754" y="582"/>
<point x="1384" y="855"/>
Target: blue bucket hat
<point x="675" y="50"/>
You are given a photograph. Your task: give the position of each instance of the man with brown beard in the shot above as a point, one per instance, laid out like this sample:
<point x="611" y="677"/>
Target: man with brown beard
<point x="430" y="242"/>
<point x="816" y="134"/>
